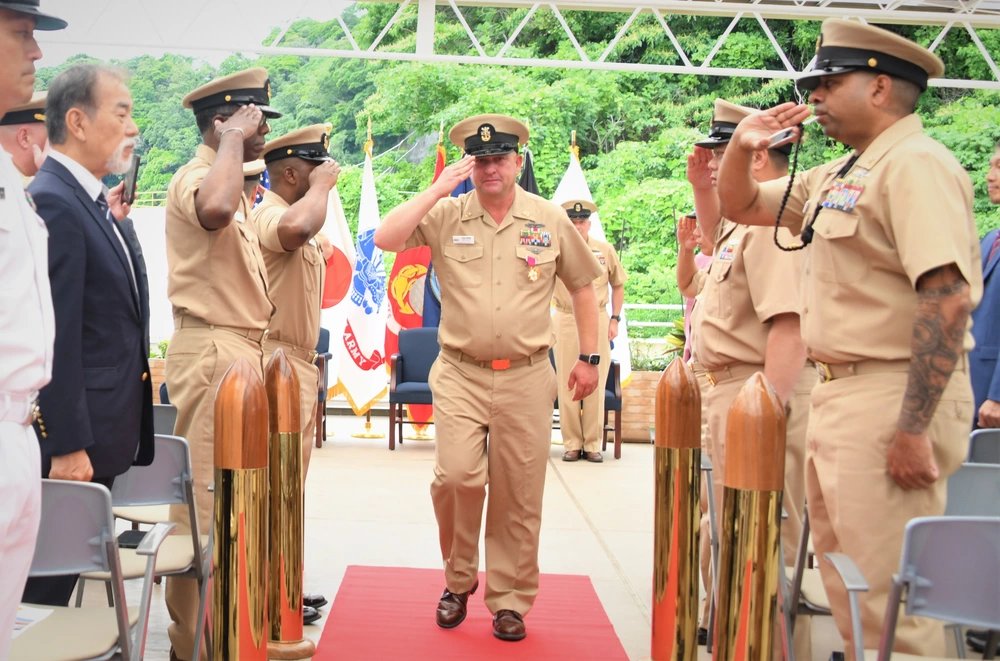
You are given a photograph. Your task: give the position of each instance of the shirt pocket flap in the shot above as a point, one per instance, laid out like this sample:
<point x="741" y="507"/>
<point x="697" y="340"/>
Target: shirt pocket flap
<point x="834" y="224"/>
<point x="463" y="253"/>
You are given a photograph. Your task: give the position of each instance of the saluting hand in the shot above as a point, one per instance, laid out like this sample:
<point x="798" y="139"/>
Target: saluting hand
<point x="582" y="380"/>
<point x="453" y="175"/>
<point x="247" y="119"/>
<point x="910" y="461"/>
<point x="698" y="174"/>
<point x="755" y="131"/>
<point x="325" y="175"/>
<point x="74" y="467"/>
<point x="688" y="234"/>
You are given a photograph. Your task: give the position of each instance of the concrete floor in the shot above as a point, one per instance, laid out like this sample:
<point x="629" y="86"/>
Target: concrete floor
<point x="369" y="506"/>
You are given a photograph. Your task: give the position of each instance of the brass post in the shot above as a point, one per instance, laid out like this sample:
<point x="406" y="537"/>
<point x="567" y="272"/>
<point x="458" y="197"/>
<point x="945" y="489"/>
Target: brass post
<point x="677" y="515"/>
<point x="750" y="526"/>
<point x="368" y="431"/>
<point x="287" y="515"/>
<point x="239" y="594"/>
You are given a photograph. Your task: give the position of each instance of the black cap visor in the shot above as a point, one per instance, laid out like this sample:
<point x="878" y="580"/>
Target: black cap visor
<point x="30" y="7"/>
<point x="809" y="81"/>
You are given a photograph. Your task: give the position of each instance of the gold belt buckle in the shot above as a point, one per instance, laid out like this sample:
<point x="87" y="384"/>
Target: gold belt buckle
<point x="825" y="373"/>
<point x="710" y="375"/>
<point x="500" y="364"/>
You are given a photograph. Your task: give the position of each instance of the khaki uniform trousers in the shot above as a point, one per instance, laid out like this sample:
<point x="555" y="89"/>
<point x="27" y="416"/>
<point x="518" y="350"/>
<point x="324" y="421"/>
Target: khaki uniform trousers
<point x="704" y="529"/>
<point x="197" y="359"/>
<point x="492" y="427"/>
<point x="580" y="431"/>
<point x="308" y="375"/>
<point x="857" y="509"/>
<point x="720" y="397"/>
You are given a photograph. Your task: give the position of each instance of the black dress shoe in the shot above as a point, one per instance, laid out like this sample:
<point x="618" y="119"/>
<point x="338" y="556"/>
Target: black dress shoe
<point x="508" y="625"/>
<point x="314" y="600"/>
<point x="310" y="615"/>
<point x="451" y="609"/>
<point x="702" y="636"/>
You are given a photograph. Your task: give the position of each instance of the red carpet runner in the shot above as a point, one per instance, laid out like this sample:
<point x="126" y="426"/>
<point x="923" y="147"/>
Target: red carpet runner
<point x="388" y="613"/>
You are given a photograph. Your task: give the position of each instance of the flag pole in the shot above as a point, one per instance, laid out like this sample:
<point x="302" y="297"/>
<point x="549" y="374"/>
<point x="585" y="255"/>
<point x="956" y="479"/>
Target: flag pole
<point x="368" y="431"/>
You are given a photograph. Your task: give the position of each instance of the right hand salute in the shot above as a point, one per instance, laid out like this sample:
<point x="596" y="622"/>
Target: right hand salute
<point x="687" y="233"/>
<point x="453" y="175"/>
<point x="324" y="175"/>
<point x="247" y="120"/>
<point x="754" y="132"/>
<point x="698" y="174"/>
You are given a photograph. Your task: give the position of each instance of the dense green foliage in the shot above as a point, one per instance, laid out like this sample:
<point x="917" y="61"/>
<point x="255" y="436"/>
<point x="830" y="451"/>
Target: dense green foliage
<point x="634" y="129"/>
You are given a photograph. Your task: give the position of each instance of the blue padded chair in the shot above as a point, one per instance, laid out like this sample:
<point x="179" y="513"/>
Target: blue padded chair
<point x="322" y="363"/>
<point x="613" y="402"/>
<point x="409" y="370"/>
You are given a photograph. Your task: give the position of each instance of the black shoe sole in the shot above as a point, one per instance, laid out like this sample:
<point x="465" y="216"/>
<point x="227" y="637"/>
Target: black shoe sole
<point x="317" y="604"/>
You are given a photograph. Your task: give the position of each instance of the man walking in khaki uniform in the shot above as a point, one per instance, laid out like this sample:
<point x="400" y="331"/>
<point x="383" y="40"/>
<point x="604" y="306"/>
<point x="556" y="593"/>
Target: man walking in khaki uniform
<point x="746" y="319"/>
<point x="891" y="273"/>
<point x="217" y="286"/>
<point x="498" y="251"/>
<point x="582" y="424"/>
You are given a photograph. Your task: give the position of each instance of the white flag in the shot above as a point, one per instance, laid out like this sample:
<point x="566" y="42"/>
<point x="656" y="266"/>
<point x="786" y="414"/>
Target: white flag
<point x="362" y="376"/>
<point x="339" y="275"/>
<point x="573" y="186"/>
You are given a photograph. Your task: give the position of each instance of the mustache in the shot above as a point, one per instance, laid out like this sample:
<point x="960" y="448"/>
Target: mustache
<point x="117" y="163"/>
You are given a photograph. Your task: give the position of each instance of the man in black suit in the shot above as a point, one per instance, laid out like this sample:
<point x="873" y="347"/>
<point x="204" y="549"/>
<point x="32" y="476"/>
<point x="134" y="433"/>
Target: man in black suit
<point x="97" y="412"/>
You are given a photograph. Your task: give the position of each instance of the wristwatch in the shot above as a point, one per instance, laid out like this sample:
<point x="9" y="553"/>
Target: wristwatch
<point x="591" y="358"/>
<point x="616" y="317"/>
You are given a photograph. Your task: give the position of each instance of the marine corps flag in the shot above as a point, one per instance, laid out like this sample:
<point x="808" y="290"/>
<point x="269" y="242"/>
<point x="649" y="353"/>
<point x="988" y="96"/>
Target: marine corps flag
<point x="362" y="374"/>
<point x="573" y="186"/>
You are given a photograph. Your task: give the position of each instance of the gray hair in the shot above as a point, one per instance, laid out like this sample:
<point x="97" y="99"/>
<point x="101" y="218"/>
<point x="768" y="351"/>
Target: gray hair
<point x="74" y="88"/>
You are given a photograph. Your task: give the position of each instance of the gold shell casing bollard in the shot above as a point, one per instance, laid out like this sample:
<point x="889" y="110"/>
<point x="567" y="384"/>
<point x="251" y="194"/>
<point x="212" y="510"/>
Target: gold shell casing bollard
<point x="750" y="526"/>
<point x="287" y="518"/>
<point x="239" y="593"/>
<point x="676" y="515"/>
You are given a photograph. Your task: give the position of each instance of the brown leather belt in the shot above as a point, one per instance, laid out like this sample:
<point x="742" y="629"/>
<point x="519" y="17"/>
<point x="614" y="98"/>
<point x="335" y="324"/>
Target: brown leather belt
<point x="730" y="372"/>
<point x="295" y="350"/>
<point x="830" y="371"/>
<point x="252" y="334"/>
<point x="497" y="364"/>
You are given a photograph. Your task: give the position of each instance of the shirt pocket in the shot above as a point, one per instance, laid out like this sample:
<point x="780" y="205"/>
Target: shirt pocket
<point x="312" y="258"/>
<point x="718" y="300"/>
<point x="838" y="257"/>
<point x="464" y="265"/>
<point x="545" y="265"/>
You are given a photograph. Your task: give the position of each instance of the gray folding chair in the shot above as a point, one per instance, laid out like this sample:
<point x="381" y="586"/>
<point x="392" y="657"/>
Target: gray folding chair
<point x="984" y="446"/>
<point x="974" y="490"/>
<point x="164" y="418"/>
<point x="949" y="570"/>
<point x="167" y="481"/>
<point x="77" y="534"/>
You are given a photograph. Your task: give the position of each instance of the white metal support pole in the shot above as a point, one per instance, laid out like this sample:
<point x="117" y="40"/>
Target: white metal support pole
<point x="425" y="27"/>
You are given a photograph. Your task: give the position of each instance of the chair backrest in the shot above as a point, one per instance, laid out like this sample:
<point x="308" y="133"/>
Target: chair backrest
<point x="164" y="395"/>
<point x="76" y="526"/>
<point x="974" y="490"/>
<point x="984" y="446"/>
<point x="419" y="348"/>
<point x="613" y="388"/>
<point x="323" y="345"/>
<point x="164" y="418"/>
<point x="163" y="482"/>
<point x="951" y="569"/>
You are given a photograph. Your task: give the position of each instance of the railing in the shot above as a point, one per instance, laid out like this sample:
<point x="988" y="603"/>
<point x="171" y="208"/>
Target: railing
<point x="150" y="198"/>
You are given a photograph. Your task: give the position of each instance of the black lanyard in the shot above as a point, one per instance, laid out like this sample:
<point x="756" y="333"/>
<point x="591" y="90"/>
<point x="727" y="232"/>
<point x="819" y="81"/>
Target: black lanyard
<point x="807" y="230"/>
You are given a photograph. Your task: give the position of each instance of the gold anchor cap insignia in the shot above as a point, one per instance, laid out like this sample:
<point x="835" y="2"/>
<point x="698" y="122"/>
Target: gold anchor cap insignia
<point x="486" y="132"/>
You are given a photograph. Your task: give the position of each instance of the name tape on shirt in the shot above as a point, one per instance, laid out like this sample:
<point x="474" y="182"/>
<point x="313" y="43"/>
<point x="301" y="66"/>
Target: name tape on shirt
<point x="463" y="240"/>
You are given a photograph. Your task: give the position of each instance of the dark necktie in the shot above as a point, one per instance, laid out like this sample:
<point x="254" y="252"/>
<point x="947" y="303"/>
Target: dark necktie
<point x="102" y="204"/>
<point x="994" y="248"/>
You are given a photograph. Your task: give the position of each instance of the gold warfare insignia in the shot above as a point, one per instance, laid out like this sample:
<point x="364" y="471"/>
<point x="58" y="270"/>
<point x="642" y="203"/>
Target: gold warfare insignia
<point x="485" y="132"/>
<point x="578" y="207"/>
<point x="326" y="141"/>
<point x="819" y="41"/>
<point x="267" y="88"/>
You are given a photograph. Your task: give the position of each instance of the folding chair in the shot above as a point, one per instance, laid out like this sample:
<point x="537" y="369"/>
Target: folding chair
<point x="984" y="446"/>
<point x="949" y="569"/>
<point x="77" y="534"/>
<point x="167" y="481"/>
<point x="164" y="418"/>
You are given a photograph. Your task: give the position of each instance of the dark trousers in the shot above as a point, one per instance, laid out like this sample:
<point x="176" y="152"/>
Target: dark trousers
<point x="55" y="590"/>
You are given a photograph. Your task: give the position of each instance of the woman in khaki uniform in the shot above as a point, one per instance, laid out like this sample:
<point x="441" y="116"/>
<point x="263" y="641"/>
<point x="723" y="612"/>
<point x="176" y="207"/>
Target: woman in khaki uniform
<point x="498" y="251"/>
<point x="582" y="424"/>
<point x="892" y="270"/>
<point x="217" y="286"/>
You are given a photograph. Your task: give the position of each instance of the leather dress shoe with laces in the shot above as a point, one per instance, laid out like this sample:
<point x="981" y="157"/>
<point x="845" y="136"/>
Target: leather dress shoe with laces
<point x="593" y="457"/>
<point x="451" y="609"/>
<point x="572" y="455"/>
<point x="310" y="615"/>
<point x="314" y="600"/>
<point x="508" y="625"/>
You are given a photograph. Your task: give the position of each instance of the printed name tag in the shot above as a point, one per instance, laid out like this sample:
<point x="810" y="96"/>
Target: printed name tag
<point x="463" y="240"/>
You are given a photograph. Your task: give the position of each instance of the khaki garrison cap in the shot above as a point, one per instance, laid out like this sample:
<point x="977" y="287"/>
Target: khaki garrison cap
<point x="845" y="46"/>
<point x="32" y="112"/>
<point x="241" y="89"/>
<point x="488" y="135"/>
<point x="724" y="120"/>
<point x="252" y="169"/>
<point x="30" y="7"/>
<point x="579" y="209"/>
<point x="310" y="143"/>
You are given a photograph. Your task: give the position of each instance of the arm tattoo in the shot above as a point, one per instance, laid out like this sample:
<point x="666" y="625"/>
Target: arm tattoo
<point x="943" y="308"/>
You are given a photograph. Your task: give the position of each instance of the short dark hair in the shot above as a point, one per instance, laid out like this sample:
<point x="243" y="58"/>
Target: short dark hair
<point x="778" y="158"/>
<point x="204" y="117"/>
<point x="74" y="88"/>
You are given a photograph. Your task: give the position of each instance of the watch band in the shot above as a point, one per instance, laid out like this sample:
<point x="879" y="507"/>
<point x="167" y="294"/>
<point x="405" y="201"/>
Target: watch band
<point x="616" y="317"/>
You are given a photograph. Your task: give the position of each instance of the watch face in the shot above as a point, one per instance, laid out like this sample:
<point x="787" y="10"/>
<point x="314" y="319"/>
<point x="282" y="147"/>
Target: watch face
<point x="594" y="359"/>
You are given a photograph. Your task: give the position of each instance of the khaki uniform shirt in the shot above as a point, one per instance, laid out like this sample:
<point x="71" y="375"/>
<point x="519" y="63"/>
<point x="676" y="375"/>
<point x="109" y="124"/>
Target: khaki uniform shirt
<point x="903" y="209"/>
<point x="494" y="302"/>
<point x="612" y="274"/>
<point x="295" y="277"/>
<point x="218" y="277"/>
<point x="749" y="282"/>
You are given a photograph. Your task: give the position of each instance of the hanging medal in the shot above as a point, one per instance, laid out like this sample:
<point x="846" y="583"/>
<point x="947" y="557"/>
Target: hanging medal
<point x="532" y="269"/>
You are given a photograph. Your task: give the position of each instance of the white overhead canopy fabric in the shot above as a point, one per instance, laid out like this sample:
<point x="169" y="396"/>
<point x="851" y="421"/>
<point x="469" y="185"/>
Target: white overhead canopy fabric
<point x="213" y="29"/>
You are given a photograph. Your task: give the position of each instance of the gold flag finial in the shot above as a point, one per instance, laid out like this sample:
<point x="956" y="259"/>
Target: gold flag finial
<point x="441" y="133"/>
<point x="369" y="143"/>
<point x="573" y="148"/>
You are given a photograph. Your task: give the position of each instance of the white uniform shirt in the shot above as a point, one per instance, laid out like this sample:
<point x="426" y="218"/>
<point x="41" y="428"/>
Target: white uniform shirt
<point x="27" y="323"/>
